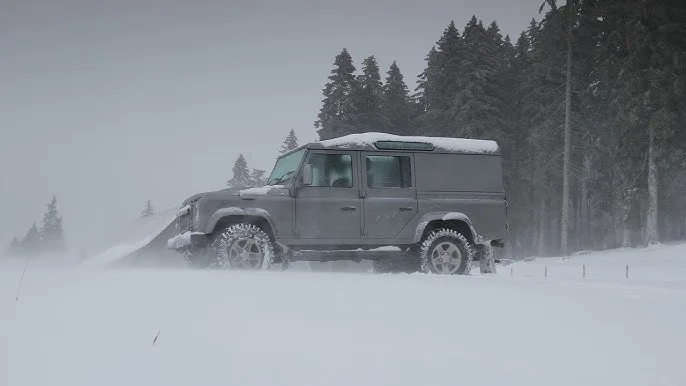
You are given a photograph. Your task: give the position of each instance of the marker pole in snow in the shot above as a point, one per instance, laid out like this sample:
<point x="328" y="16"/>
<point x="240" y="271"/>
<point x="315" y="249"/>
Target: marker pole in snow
<point x="21" y="281"/>
<point x="584" y="271"/>
<point x="627" y="271"/>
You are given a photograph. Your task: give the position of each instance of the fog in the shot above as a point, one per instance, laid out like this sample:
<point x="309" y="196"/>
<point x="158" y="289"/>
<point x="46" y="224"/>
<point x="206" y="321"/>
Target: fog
<point x="109" y="104"/>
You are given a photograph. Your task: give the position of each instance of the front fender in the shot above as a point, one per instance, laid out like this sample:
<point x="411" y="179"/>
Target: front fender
<point x="441" y="216"/>
<point x="236" y="211"/>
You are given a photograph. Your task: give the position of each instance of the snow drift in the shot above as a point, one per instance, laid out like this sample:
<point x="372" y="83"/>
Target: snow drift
<point x="137" y="236"/>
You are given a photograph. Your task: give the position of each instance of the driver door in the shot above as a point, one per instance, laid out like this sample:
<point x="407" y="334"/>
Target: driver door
<point x="330" y="209"/>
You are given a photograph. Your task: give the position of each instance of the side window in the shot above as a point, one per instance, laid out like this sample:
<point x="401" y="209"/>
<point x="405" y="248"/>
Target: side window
<point x="332" y="170"/>
<point x="385" y="171"/>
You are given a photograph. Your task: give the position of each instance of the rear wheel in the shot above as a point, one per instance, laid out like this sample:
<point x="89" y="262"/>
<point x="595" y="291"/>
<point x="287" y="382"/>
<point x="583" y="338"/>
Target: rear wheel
<point x="243" y="246"/>
<point x="446" y="252"/>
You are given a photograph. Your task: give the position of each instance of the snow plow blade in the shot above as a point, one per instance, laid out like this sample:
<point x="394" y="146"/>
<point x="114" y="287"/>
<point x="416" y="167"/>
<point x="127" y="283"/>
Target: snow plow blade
<point x="143" y="242"/>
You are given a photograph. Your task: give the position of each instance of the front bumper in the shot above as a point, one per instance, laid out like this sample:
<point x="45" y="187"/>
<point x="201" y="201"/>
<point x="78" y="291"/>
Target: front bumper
<point x="187" y="239"/>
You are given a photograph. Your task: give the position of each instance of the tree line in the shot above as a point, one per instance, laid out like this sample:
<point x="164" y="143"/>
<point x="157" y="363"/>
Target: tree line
<point x="49" y="238"/>
<point x="588" y="107"/>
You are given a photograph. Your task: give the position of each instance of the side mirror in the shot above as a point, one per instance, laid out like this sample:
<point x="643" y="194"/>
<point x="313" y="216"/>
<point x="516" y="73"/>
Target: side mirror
<point x="307" y="174"/>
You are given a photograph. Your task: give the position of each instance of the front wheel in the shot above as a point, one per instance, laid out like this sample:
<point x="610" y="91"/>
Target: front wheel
<point x="243" y="246"/>
<point x="446" y="252"/>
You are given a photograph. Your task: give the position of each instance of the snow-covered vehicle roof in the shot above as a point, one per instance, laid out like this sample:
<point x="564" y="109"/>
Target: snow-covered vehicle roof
<point x="384" y="141"/>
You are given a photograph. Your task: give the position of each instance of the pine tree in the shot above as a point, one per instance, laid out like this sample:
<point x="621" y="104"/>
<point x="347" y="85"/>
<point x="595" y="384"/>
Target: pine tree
<point x="397" y="107"/>
<point x="257" y="178"/>
<point x="563" y="26"/>
<point x="148" y="210"/>
<point x="31" y="243"/>
<point x="51" y="232"/>
<point x="338" y="115"/>
<point x="290" y="143"/>
<point x="544" y="113"/>
<point x="564" y="231"/>
<point x="477" y="109"/>
<point x="517" y="177"/>
<point x="426" y="93"/>
<point x="14" y="248"/>
<point x="439" y="83"/>
<point x="368" y="98"/>
<point x="241" y="175"/>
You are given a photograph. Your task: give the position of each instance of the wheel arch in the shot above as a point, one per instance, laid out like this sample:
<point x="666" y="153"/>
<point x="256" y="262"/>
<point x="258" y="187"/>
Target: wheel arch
<point x="229" y="216"/>
<point x="452" y="220"/>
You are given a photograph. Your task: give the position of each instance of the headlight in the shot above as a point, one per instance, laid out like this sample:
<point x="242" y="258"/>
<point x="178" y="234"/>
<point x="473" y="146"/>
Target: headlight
<point x="196" y="216"/>
<point x="183" y="211"/>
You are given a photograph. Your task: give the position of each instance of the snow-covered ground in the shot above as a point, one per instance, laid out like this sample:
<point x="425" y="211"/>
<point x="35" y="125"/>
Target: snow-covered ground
<point x="94" y="326"/>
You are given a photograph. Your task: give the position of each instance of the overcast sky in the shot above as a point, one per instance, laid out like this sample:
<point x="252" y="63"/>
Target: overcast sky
<point x="107" y="104"/>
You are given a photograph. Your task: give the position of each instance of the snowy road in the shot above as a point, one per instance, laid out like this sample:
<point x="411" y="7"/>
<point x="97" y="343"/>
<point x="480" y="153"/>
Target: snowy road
<point x="96" y="327"/>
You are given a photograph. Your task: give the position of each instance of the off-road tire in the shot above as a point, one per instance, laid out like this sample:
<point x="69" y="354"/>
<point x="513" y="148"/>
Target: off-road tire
<point x="236" y="233"/>
<point x="443" y="236"/>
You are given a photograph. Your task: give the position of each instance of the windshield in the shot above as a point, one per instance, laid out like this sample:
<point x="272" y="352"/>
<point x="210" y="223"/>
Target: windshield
<point x="285" y="168"/>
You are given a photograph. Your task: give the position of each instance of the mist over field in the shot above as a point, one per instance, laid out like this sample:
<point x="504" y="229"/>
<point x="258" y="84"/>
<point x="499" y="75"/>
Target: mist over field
<point x="442" y="192"/>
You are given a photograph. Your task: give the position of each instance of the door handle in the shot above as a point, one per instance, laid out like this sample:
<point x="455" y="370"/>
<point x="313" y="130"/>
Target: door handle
<point x="348" y="208"/>
<point x="406" y="209"/>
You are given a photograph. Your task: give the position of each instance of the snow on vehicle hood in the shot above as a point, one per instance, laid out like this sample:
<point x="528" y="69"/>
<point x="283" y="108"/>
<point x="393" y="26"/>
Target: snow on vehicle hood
<point x="259" y="191"/>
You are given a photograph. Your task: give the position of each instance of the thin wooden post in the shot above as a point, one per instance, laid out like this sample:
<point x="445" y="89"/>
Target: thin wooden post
<point x="546" y="271"/>
<point x="584" y="271"/>
<point x="627" y="271"/>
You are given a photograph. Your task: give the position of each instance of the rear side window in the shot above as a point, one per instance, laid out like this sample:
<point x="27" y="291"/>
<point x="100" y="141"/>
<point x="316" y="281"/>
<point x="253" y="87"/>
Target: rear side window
<point x="387" y="171"/>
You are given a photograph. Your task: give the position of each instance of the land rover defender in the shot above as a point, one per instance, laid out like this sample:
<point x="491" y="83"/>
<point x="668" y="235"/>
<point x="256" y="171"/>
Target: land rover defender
<point x="409" y="204"/>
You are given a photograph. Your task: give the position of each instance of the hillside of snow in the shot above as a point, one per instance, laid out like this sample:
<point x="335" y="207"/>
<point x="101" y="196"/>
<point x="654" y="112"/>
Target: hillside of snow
<point x="86" y="325"/>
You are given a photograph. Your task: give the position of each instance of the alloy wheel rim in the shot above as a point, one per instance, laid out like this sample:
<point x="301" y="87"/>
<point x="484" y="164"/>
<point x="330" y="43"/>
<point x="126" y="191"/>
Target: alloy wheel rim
<point x="245" y="253"/>
<point x="446" y="258"/>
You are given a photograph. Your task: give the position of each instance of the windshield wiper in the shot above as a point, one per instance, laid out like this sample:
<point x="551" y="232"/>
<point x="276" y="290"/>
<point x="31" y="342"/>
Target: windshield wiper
<point x="283" y="178"/>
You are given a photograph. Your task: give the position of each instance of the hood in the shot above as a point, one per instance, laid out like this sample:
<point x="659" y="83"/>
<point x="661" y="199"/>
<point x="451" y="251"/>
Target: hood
<point x="222" y="192"/>
<point x="268" y="190"/>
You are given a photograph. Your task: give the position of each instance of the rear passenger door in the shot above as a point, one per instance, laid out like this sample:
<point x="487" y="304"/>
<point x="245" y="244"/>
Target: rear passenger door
<point x="390" y="198"/>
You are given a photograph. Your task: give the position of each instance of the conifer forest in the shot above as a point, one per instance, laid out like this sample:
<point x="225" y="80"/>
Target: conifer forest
<point x="588" y="105"/>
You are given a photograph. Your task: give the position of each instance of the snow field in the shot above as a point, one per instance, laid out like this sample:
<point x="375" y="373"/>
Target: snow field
<point x="658" y="264"/>
<point x="86" y="326"/>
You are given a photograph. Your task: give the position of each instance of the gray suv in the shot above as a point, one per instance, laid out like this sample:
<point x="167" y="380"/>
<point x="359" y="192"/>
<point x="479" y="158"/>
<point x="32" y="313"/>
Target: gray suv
<point x="408" y="204"/>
